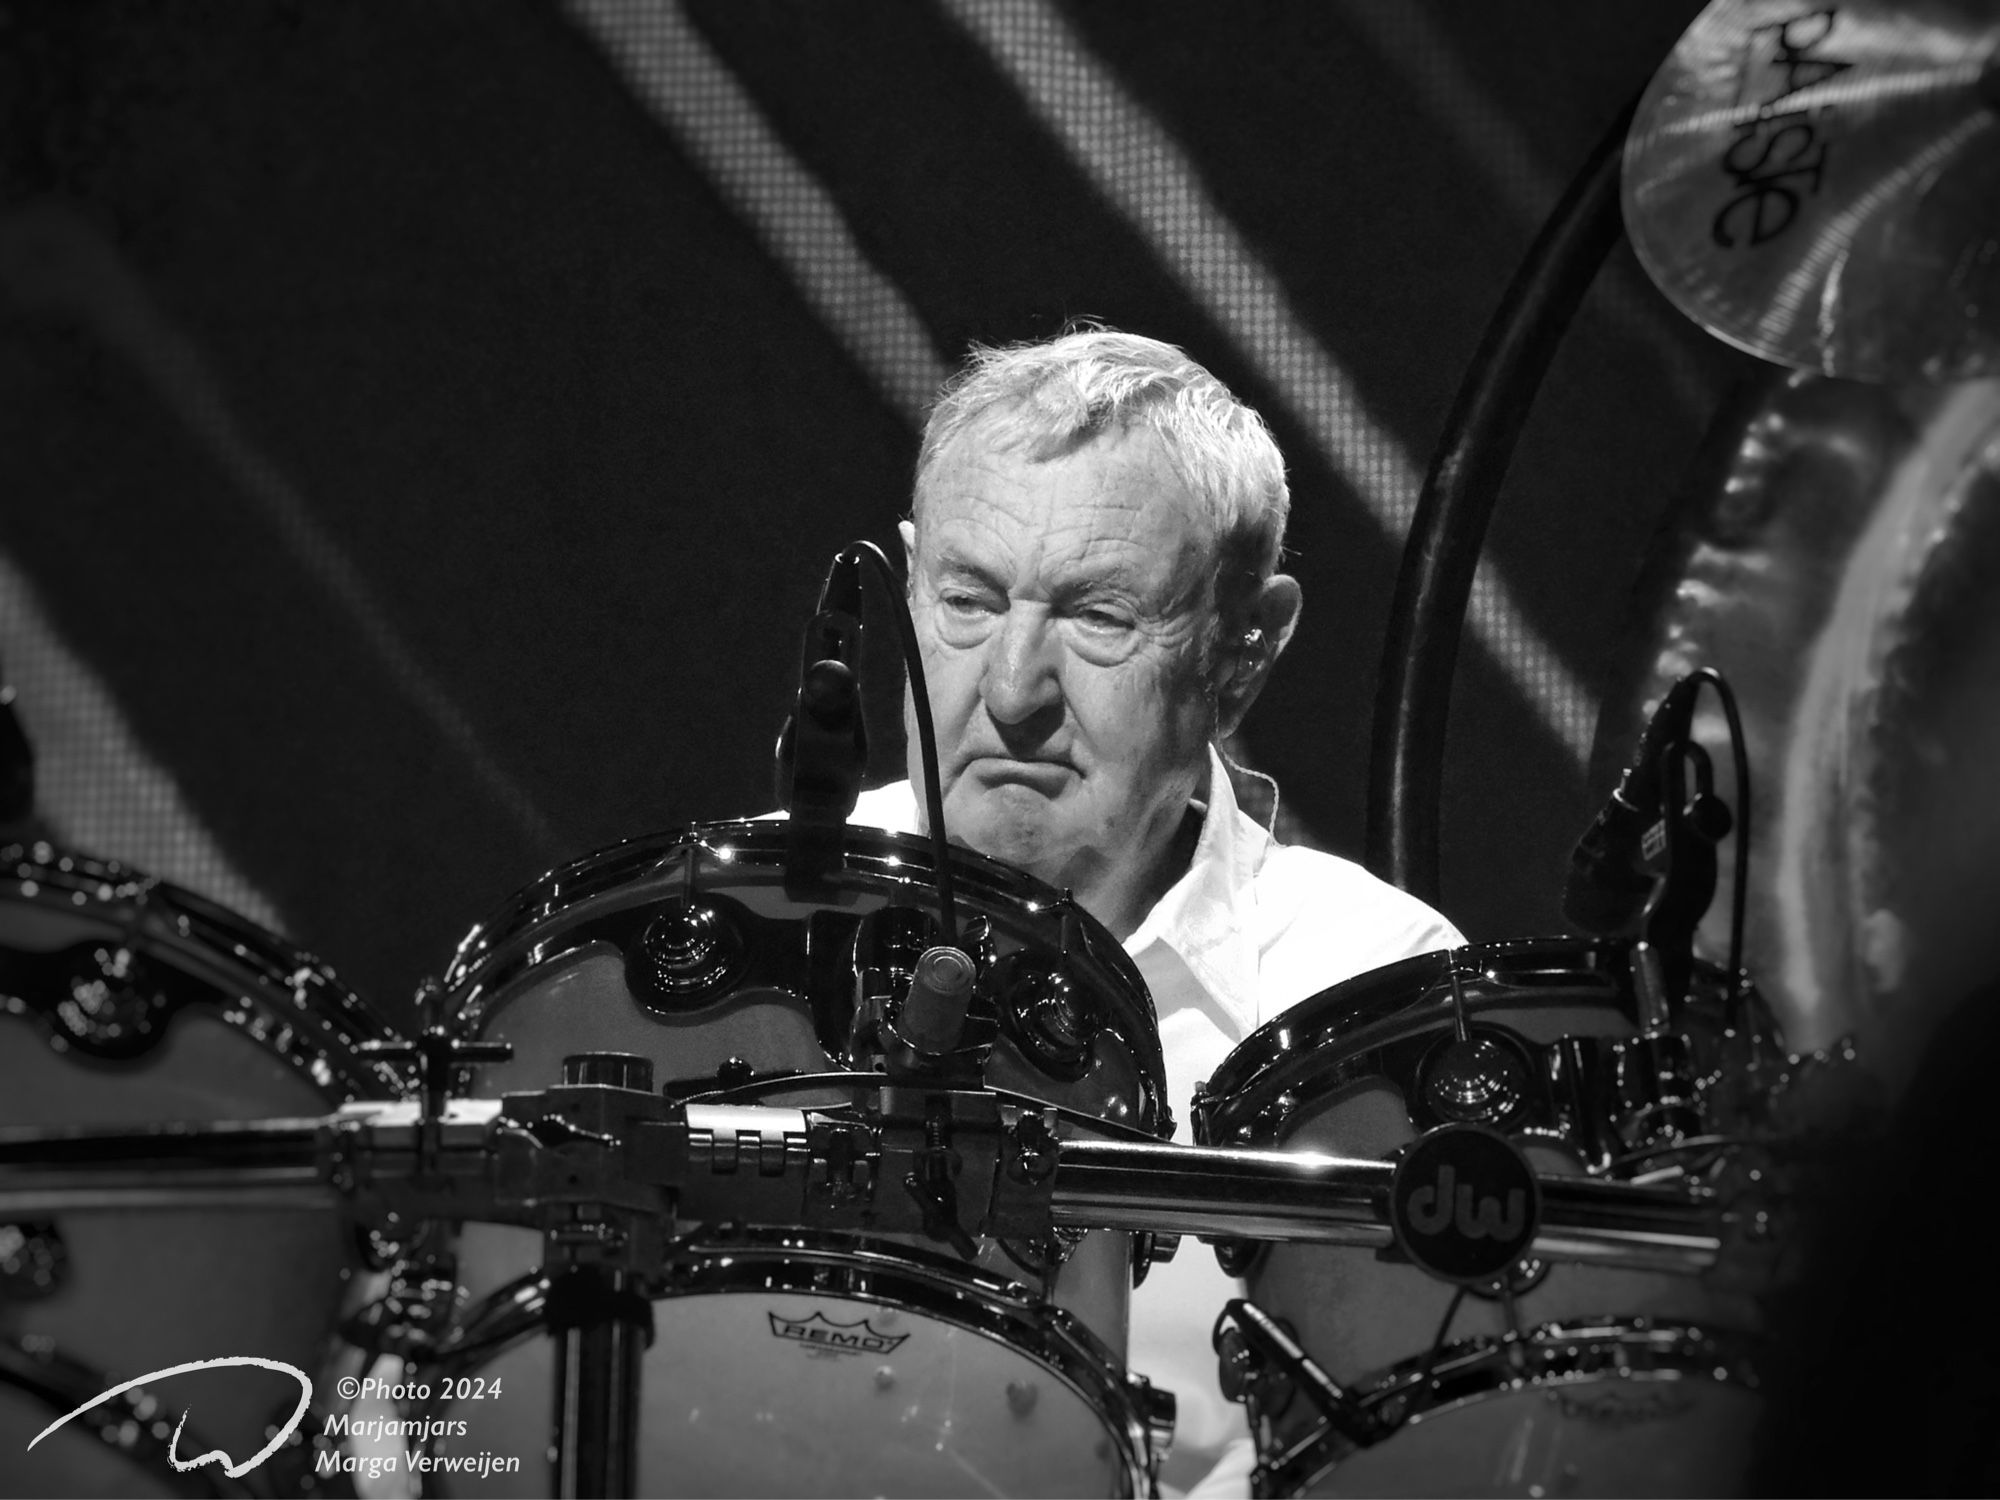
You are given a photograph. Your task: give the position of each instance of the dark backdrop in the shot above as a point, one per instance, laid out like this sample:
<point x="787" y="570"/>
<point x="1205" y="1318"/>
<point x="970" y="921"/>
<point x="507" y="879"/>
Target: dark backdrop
<point x="412" y="434"/>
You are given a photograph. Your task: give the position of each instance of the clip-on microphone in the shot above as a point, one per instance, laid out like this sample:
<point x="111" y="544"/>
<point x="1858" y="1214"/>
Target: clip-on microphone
<point x="822" y="752"/>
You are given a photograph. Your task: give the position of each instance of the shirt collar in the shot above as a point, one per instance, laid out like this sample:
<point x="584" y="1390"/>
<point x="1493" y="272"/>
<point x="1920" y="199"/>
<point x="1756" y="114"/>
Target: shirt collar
<point x="1203" y="918"/>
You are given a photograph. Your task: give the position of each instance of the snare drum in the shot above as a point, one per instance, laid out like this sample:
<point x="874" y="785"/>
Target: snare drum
<point x="127" y="1001"/>
<point x="1603" y="1380"/>
<point x="795" y="1362"/>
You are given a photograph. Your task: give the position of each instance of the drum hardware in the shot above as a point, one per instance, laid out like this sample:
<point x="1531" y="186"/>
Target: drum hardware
<point x="415" y="1311"/>
<point x="737" y="1081"/>
<point x="1520" y="1278"/>
<point x="126" y="998"/>
<point x="537" y="1158"/>
<point x="34" y="1261"/>
<point x="1468" y="1079"/>
<point x="932" y="1178"/>
<point x="1150" y="1247"/>
<point x="1530" y="1352"/>
<point x="607" y="1169"/>
<point x="100" y="996"/>
<point x="435" y="1058"/>
<point x="822" y="955"/>
<point x="1049" y="1016"/>
<point x="603" y="1324"/>
<point x="688" y="955"/>
<point x="192" y="951"/>
<point x="640" y="1195"/>
<point x="920" y="1008"/>
<point x="1266" y="1369"/>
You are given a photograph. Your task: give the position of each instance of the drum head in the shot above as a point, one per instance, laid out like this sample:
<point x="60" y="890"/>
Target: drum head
<point x="599" y="956"/>
<point x="1610" y="1436"/>
<point x="125" y="1001"/>
<point x="821" y="1370"/>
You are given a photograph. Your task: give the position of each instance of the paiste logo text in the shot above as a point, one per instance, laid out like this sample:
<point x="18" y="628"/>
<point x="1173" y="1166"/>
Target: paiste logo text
<point x="1777" y="156"/>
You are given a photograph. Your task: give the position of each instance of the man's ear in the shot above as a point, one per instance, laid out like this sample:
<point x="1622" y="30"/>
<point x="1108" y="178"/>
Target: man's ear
<point x="1245" y="661"/>
<point x="908" y="531"/>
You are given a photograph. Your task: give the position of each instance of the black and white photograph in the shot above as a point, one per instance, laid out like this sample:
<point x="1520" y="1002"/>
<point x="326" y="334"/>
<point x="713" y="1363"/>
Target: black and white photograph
<point x="999" y="748"/>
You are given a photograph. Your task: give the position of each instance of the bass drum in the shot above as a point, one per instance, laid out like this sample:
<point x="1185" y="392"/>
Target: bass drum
<point x="1597" y="1379"/>
<point x="794" y="1362"/>
<point x="127" y="1001"/>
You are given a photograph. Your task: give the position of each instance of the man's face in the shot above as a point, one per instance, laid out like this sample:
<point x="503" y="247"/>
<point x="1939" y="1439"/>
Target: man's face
<point x="1063" y="607"/>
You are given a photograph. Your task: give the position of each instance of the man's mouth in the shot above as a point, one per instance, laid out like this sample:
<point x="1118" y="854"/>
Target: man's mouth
<point x="1047" y="776"/>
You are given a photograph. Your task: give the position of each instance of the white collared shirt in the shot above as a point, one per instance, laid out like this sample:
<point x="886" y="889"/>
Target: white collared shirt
<point x="1252" y="928"/>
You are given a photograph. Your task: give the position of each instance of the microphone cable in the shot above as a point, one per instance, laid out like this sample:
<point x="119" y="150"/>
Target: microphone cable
<point x="913" y="663"/>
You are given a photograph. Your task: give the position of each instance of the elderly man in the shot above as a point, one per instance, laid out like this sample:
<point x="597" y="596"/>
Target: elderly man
<point x="1093" y="550"/>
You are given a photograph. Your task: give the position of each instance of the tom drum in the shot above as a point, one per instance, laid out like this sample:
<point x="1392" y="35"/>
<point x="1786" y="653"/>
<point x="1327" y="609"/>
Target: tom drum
<point x="791" y="1362"/>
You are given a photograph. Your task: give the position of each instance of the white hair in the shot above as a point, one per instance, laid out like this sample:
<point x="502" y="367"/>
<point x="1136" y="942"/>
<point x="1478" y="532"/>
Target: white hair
<point x="1052" y="397"/>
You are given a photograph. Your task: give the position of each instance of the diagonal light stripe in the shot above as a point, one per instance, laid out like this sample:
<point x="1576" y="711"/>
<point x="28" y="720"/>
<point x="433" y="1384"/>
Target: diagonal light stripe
<point x="53" y="261"/>
<point x="1145" y="175"/>
<point x="673" y="71"/>
<point x="94" y="782"/>
<point x="1411" y="40"/>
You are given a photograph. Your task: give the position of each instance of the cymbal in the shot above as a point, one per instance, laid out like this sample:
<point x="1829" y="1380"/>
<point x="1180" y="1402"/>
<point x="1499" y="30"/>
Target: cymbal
<point x="1820" y="185"/>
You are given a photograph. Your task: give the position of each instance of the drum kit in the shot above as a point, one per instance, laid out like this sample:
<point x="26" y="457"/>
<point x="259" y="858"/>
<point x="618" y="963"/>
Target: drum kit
<point x="794" y="1157"/>
<point x="761" y="1187"/>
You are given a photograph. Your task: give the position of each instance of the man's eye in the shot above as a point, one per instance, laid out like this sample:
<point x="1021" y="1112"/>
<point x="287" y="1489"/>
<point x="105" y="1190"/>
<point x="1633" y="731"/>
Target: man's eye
<point x="966" y="606"/>
<point x="1103" y="619"/>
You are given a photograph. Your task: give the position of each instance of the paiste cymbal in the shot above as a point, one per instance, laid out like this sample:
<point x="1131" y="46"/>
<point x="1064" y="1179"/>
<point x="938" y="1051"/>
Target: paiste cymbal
<point x="1820" y="185"/>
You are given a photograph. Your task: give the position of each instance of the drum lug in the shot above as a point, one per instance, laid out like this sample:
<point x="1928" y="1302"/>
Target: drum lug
<point x="412" y="1316"/>
<point x="1201" y="1110"/>
<point x="1149" y="1248"/>
<point x="34" y="1262"/>
<point x="1653" y="1082"/>
<point x="688" y="957"/>
<point x="1475" y="1079"/>
<point x="1062" y="1243"/>
<point x="1519" y="1279"/>
<point x="104" y="998"/>
<point x="1158" y="1413"/>
<point x="1238" y="1257"/>
<point x="1053" y="1019"/>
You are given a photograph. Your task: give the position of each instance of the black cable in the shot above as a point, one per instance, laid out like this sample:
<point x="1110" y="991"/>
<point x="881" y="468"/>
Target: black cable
<point x="785" y="1083"/>
<point x="1740" y="895"/>
<point x="913" y="663"/>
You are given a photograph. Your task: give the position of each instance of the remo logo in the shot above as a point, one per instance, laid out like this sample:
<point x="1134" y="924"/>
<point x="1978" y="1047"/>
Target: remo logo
<point x="214" y="1455"/>
<point x="1464" y="1204"/>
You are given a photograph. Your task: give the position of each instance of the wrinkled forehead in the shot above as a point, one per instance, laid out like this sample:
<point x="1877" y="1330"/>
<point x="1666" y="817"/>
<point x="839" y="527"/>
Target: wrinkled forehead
<point x="1139" y="465"/>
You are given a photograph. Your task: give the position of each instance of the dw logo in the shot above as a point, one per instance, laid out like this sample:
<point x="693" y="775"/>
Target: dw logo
<point x="1450" y="1204"/>
<point x="1464" y="1204"/>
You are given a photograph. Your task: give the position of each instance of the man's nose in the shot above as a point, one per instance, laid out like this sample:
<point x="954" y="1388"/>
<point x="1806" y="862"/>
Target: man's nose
<point x="1023" y="667"/>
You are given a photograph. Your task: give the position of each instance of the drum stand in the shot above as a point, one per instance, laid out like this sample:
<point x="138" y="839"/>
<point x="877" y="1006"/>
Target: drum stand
<point x="602" y="1328"/>
<point x="606" y="1167"/>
